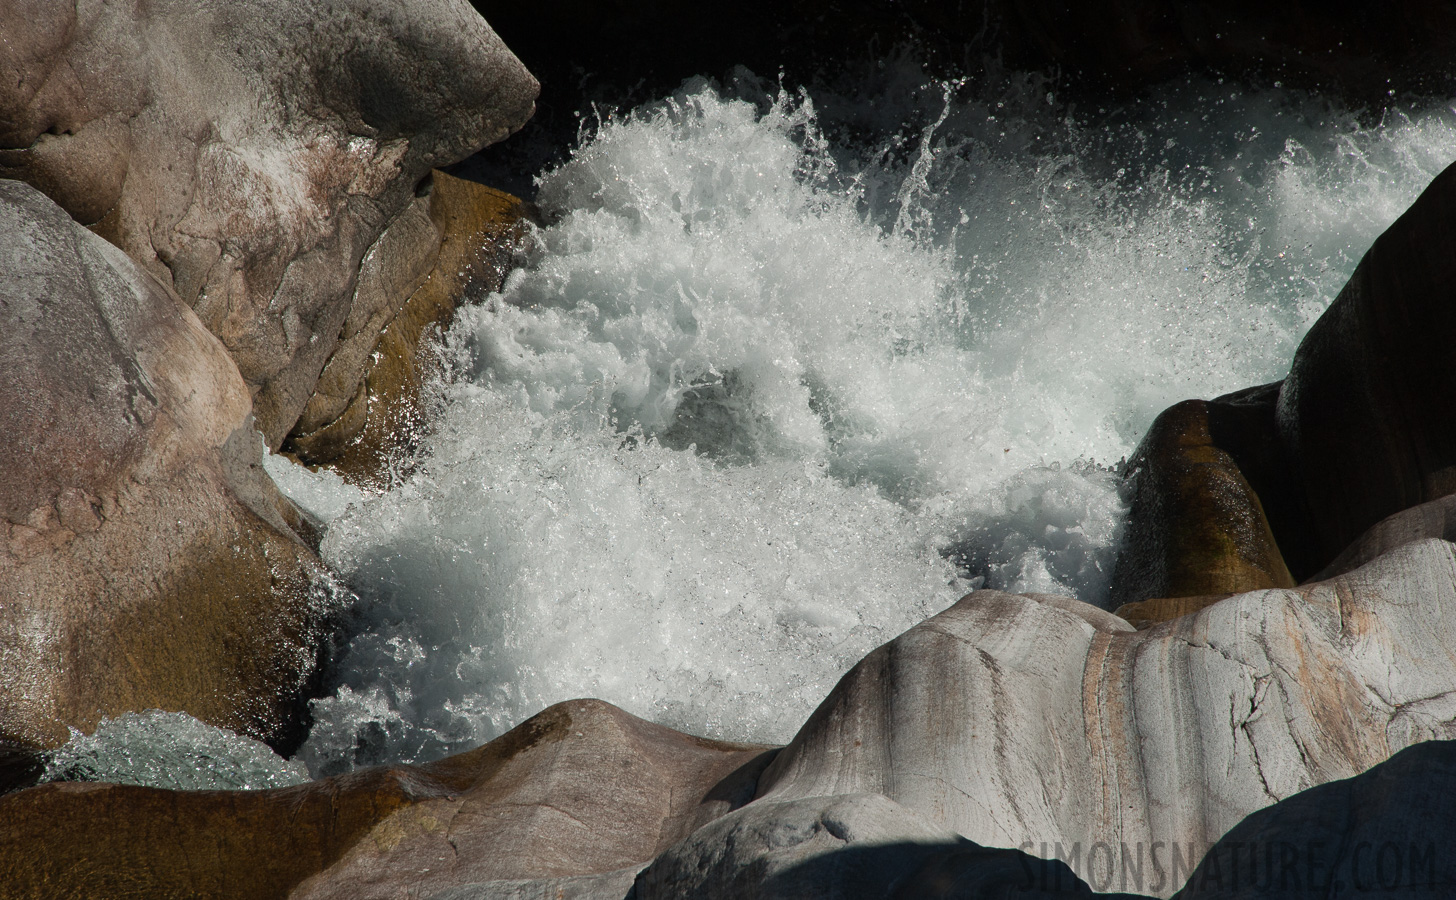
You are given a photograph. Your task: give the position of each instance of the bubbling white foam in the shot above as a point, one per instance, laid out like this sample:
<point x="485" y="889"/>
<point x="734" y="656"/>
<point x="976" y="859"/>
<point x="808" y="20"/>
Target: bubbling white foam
<point x="756" y="396"/>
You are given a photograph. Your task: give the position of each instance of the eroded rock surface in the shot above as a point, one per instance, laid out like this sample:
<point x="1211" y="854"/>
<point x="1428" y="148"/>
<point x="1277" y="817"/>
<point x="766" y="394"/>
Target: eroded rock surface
<point x="146" y="560"/>
<point x="249" y="154"/>
<point x="1008" y="720"/>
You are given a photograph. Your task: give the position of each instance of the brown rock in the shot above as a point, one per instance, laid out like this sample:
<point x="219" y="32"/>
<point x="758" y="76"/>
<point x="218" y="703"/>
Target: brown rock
<point x="367" y="407"/>
<point x="1366" y="416"/>
<point x="146" y="561"/>
<point x="581" y="788"/>
<point x="1195" y="527"/>
<point x="248" y="154"/>
<point x="1146" y="613"/>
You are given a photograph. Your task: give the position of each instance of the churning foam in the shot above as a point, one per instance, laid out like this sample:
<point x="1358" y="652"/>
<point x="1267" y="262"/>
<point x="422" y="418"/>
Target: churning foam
<point x="758" y="400"/>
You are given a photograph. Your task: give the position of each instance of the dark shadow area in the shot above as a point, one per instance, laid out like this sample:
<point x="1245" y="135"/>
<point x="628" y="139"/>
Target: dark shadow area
<point x="615" y="55"/>
<point x="20" y="767"/>
<point x="933" y="871"/>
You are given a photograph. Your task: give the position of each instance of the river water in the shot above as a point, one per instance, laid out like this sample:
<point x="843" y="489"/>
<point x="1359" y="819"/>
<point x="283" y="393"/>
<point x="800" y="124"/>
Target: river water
<point x="785" y="374"/>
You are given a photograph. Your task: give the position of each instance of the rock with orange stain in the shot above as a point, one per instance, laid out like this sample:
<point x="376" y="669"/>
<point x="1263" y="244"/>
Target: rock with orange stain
<point x="451" y="247"/>
<point x="1195" y="527"/>
<point x="1010" y="719"/>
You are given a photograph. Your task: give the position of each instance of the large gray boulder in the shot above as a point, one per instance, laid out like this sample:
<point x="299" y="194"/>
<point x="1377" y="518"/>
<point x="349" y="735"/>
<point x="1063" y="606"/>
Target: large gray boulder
<point x="249" y="154"/>
<point x="146" y="561"/>
<point x="1019" y="721"/>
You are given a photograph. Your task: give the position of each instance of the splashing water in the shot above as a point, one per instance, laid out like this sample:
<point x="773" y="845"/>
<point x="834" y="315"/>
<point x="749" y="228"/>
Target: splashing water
<point x="170" y="750"/>
<point x="759" y="400"/>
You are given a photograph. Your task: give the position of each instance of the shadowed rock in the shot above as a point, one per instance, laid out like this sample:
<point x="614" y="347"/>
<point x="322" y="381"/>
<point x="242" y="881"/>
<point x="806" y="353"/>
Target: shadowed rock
<point x="581" y="789"/>
<point x="1229" y="492"/>
<point x="1384" y="833"/>
<point x="146" y="560"/>
<point x="250" y="154"/>
<point x="847" y="847"/>
<point x="1367" y="417"/>
<point x="1436" y="519"/>
<point x="458" y="242"/>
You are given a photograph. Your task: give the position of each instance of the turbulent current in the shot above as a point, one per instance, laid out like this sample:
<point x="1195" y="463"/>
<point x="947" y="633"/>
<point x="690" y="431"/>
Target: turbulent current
<point x="784" y="375"/>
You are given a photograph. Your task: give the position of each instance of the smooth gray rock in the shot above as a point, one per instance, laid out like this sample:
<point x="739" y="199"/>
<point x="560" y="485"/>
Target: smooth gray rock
<point x="249" y="153"/>
<point x="146" y="560"/>
<point x="1016" y="723"/>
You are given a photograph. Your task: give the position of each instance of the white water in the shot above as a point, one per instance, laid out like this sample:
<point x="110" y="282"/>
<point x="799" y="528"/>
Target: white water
<point x="754" y="390"/>
<point x="170" y="750"/>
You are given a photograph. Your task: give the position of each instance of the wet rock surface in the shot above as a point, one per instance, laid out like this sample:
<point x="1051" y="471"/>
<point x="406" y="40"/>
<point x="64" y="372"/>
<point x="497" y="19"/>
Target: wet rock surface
<point x="1195" y="526"/>
<point x="147" y="561"/>
<point x="249" y="155"/>
<point x="1277" y="482"/>
<point x="456" y="244"/>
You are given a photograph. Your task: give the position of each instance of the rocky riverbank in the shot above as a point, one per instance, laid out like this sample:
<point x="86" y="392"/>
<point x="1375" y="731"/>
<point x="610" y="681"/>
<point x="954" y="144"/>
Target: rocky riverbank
<point x="226" y="232"/>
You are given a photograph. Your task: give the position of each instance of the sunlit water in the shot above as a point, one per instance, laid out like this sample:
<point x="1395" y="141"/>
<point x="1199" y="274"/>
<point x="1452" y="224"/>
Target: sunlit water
<point x="171" y="750"/>
<point x="777" y="383"/>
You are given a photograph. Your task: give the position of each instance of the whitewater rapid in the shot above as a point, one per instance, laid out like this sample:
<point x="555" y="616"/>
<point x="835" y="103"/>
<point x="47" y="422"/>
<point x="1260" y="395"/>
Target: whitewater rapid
<point x="783" y="376"/>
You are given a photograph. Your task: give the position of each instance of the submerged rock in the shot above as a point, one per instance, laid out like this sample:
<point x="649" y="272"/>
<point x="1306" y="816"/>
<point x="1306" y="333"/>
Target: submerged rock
<point x="146" y="560"/>
<point x="250" y="154"/>
<point x="581" y="792"/>
<point x="458" y="242"/>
